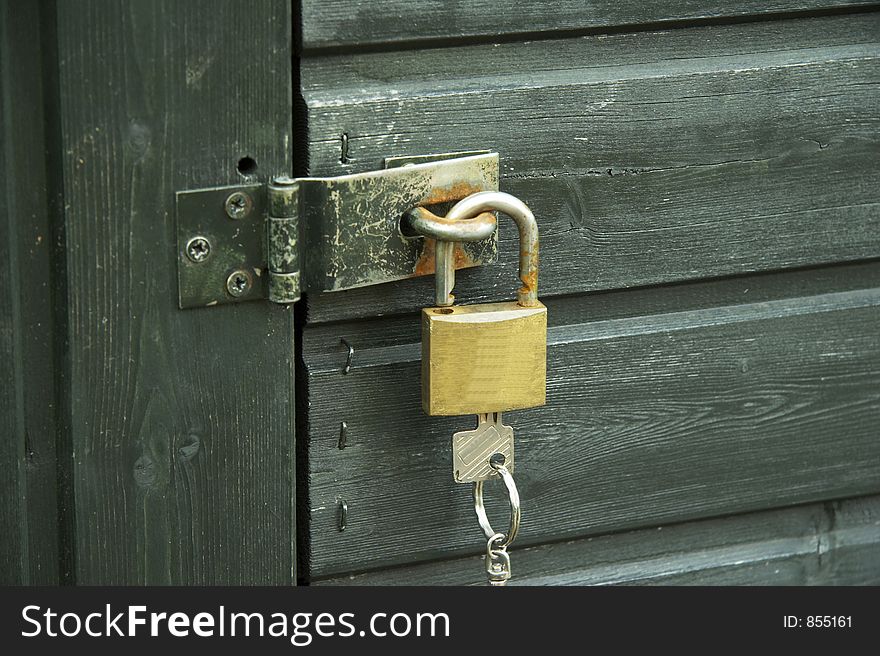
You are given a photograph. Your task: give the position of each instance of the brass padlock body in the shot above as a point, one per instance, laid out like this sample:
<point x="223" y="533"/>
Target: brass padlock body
<point x="481" y="358"/>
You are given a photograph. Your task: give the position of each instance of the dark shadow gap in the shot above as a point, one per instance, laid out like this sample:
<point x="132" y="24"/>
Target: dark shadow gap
<point x="301" y="380"/>
<point x="60" y="355"/>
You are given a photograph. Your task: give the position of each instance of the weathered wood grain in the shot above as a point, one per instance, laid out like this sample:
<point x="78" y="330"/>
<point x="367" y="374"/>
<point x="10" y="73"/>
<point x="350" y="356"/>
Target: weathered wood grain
<point x="648" y="158"/>
<point x="29" y="540"/>
<point x="714" y="398"/>
<point x="181" y="421"/>
<point x="343" y="24"/>
<point x="833" y="543"/>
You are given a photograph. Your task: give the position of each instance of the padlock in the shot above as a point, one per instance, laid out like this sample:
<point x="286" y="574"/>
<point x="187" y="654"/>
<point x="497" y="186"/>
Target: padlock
<point x="490" y="357"/>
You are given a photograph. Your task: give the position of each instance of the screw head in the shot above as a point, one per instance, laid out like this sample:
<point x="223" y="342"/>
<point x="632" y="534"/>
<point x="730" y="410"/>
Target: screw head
<point x="239" y="283"/>
<point x="198" y="249"/>
<point x="238" y="205"/>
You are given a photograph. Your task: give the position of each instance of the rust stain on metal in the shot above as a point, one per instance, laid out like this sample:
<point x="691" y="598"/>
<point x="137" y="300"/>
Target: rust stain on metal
<point x="453" y="192"/>
<point x="529" y="278"/>
<point x="461" y="258"/>
<point x="427" y="262"/>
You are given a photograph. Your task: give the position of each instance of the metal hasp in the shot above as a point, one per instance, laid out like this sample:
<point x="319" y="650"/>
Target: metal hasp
<point x="324" y="234"/>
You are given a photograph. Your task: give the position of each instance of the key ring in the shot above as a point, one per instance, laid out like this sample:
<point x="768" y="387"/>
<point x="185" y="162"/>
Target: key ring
<point x="513" y="499"/>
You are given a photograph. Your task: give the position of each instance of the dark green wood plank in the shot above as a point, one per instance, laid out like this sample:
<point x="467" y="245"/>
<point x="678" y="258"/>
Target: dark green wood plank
<point x="714" y="398"/>
<point x="647" y="158"/>
<point x="13" y="520"/>
<point x="29" y="541"/>
<point x="182" y="421"/>
<point x="343" y="24"/>
<point x="834" y="543"/>
<point x="489" y="67"/>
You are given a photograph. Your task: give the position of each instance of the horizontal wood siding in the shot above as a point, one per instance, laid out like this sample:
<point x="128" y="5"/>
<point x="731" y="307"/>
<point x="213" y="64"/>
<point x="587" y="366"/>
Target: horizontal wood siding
<point x="708" y="195"/>
<point x="654" y="414"/>
<point x="647" y="158"/>
<point x="344" y="24"/>
<point x="833" y="543"/>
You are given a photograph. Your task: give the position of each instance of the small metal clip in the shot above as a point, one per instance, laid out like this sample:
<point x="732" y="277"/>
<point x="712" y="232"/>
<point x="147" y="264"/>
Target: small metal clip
<point x="348" y="358"/>
<point x="497" y="561"/>
<point x="341" y="514"/>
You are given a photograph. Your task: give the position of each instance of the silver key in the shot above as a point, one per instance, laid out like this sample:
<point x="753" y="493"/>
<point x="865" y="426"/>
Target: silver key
<point x="472" y="449"/>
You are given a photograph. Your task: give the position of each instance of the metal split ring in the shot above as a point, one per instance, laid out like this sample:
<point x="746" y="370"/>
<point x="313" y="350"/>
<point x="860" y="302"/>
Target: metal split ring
<point x="513" y="498"/>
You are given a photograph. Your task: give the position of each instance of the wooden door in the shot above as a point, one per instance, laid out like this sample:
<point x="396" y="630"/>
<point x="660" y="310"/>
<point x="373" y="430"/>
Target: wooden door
<point x="143" y="444"/>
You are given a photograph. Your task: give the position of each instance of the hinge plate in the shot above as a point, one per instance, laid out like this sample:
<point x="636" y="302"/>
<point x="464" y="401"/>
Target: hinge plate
<point x="233" y="245"/>
<point x="347" y="230"/>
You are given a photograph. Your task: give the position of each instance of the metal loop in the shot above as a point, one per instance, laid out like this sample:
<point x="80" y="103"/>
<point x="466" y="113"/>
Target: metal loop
<point x="494" y="541"/>
<point x="527" y="295"/>
<point x="424" y="223"/>
<point x="483" y="201"/>
<point x="513" y="499"/>
<point x="497" y="561"/>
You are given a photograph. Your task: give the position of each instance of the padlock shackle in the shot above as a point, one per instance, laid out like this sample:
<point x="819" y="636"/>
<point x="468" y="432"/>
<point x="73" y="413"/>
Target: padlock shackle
<point x="421" y="222"/>
<point x="486" y="201"/>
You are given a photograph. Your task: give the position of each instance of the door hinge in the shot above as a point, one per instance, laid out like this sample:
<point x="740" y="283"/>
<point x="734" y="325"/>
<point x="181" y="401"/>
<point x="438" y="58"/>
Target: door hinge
<point x="294" y="235"/>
